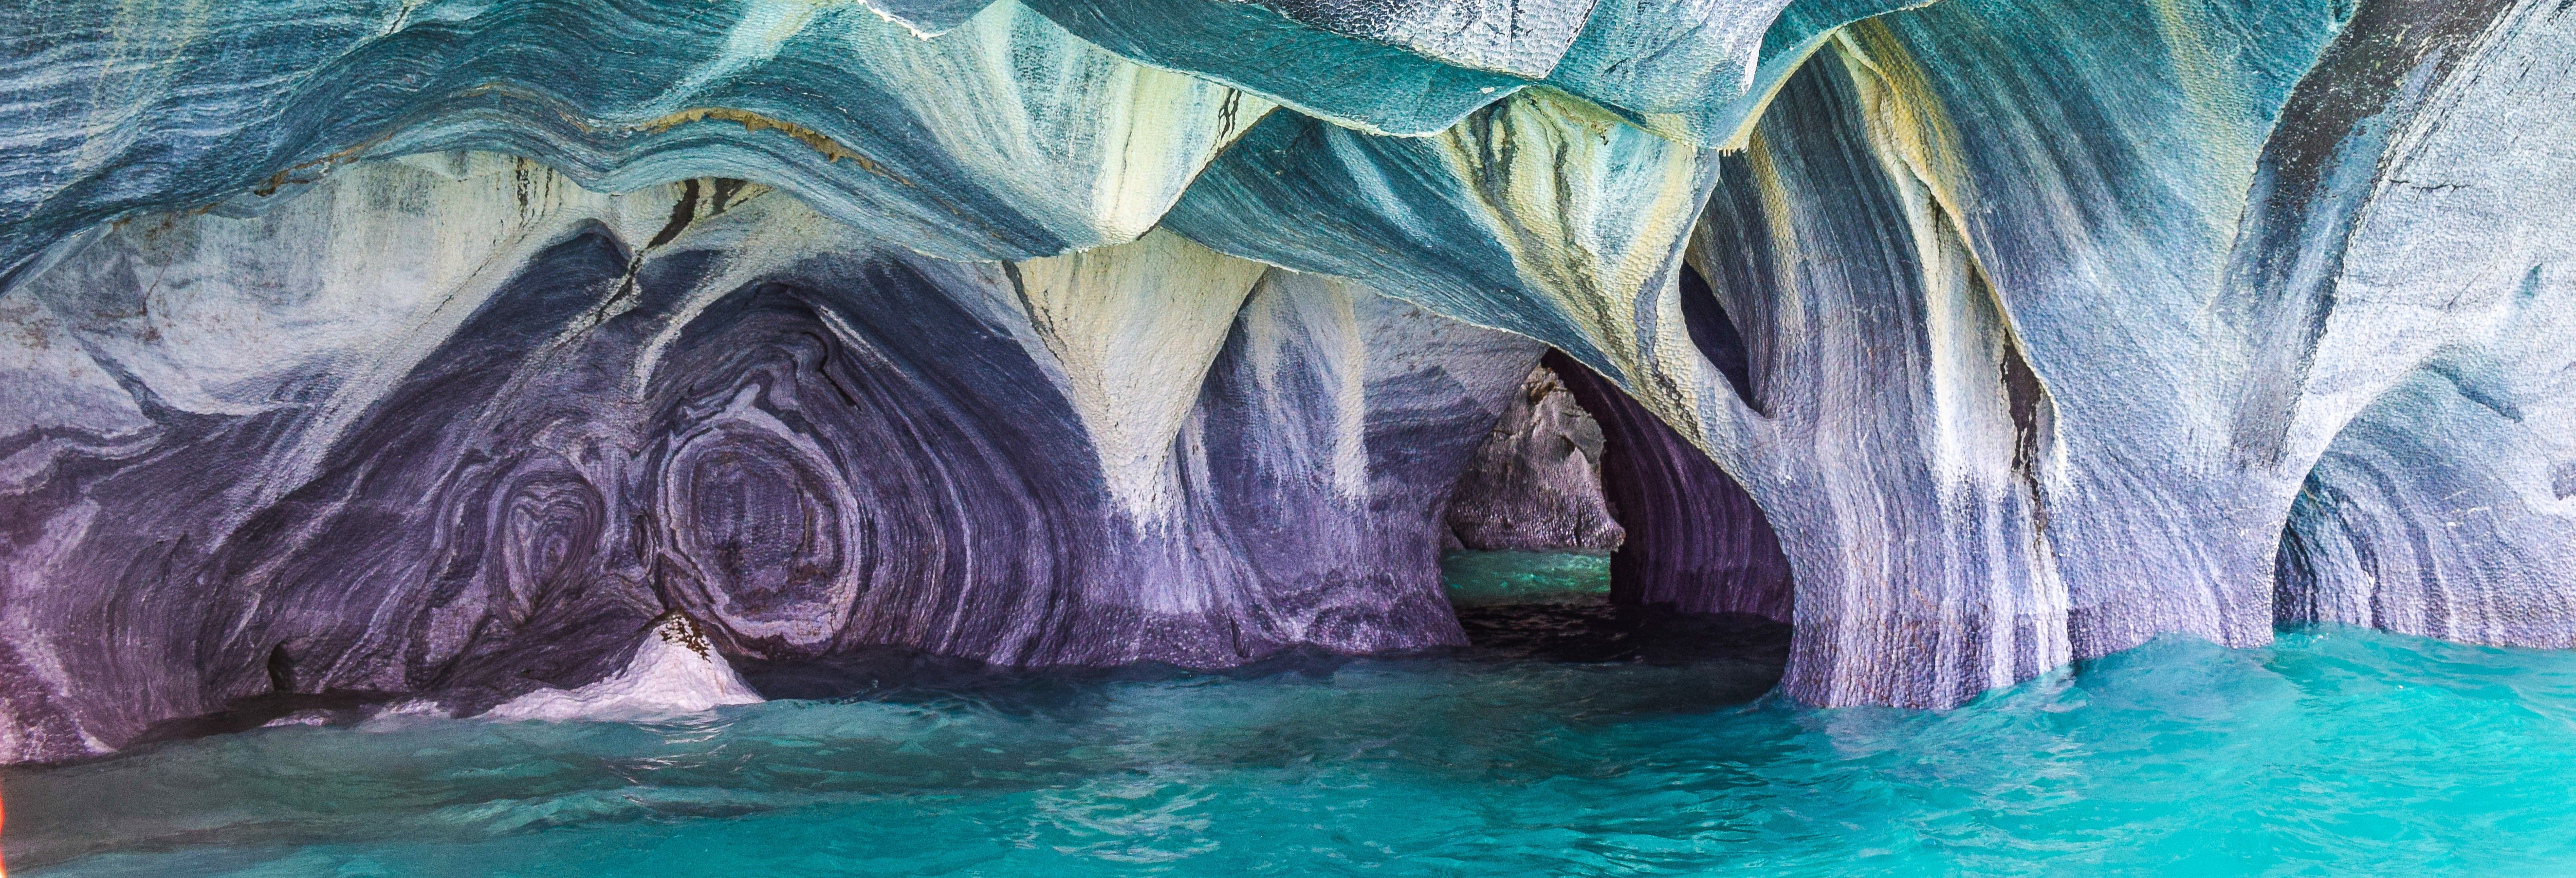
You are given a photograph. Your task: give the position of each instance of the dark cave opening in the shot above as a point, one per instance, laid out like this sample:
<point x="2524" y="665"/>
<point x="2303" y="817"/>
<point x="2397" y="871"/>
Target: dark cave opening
<point x="745" y="517"/>
<point x="1694" y="571"/>
<point x="1599" y="631"/>
<point x="1696" y="541"/>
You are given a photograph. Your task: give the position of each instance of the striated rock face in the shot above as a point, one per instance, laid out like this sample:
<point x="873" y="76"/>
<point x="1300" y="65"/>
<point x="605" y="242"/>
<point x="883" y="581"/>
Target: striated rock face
<point x="323" y="455"/>
<point x="2447" y="506"/>
<point x="1695" y="542"/>
<point x="441" y="347"/>
<point x="1535" y="485"/>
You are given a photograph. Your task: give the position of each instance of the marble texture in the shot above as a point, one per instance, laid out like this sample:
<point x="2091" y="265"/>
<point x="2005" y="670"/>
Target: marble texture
<point x="440" y="348"/>
<point x="1695" y="541"/>
<point x="2436" y="288"/>
<point x="471" y="469"/>
<point x="1007" y="137"/>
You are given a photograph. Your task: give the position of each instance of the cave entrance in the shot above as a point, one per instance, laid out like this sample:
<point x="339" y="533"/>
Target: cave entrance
<point x="1588" y="530"/>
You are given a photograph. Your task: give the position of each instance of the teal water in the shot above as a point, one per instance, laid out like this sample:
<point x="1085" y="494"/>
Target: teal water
<point x="2336" y="751"/>
<point x="1483" y="579"/>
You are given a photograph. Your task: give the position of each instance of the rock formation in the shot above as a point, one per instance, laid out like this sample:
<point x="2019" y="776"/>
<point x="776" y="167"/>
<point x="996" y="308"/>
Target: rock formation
<point x="1535" y="484"/>
<point x="1694" y="541"/>
<point x="308" y="451"/>
<point x="448" y="349"/>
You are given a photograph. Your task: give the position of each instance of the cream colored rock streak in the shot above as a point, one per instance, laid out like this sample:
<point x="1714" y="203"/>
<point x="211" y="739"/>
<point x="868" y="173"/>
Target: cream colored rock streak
<point x="344" y="281"/>
<point x="1037" y="112"/>
<point x="1268" y="327"/>
<point x="1973" y="336"/>
<point x="1594" y="212"/>
<point x="1135" y="328"/>
<point x="242" y="305"/>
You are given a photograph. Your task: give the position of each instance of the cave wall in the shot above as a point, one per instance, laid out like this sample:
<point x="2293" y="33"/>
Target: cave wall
<point x="2443" y="507"/>
<point x="302" y="451"/>
<point x="350" y="345"/>
<point x="1696" y="542"/>
<point x="2036" y="348"/>
<point x="1010" y="138"/>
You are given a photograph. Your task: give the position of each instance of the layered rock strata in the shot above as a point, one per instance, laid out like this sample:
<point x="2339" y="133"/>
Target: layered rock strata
<point x="1095" y="331"/>
<point x="308" y="451"/>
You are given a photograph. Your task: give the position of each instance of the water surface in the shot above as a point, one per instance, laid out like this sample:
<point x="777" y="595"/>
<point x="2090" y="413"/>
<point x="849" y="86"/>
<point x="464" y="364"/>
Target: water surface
<point x="2336" y="751"/>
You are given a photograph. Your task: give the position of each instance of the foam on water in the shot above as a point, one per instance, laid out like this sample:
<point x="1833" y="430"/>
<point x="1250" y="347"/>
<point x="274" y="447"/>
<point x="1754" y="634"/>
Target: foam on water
<point x="2337" y="751"/>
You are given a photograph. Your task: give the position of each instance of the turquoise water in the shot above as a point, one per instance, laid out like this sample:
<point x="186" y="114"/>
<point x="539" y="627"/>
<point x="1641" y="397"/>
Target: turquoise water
<point x="1481" y="579"/>
<point x="2337" y="751"/>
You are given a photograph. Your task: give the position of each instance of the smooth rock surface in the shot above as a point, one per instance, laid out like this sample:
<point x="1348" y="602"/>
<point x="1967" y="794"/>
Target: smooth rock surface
<point x="2447" y="506"/>
<point x="1006" y="138"/>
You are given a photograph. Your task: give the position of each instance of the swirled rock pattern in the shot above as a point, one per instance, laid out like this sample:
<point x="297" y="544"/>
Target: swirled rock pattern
<point x="443" y="347"/>
<point x="807" y="441"/>
<point x="1005" y="138"/>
